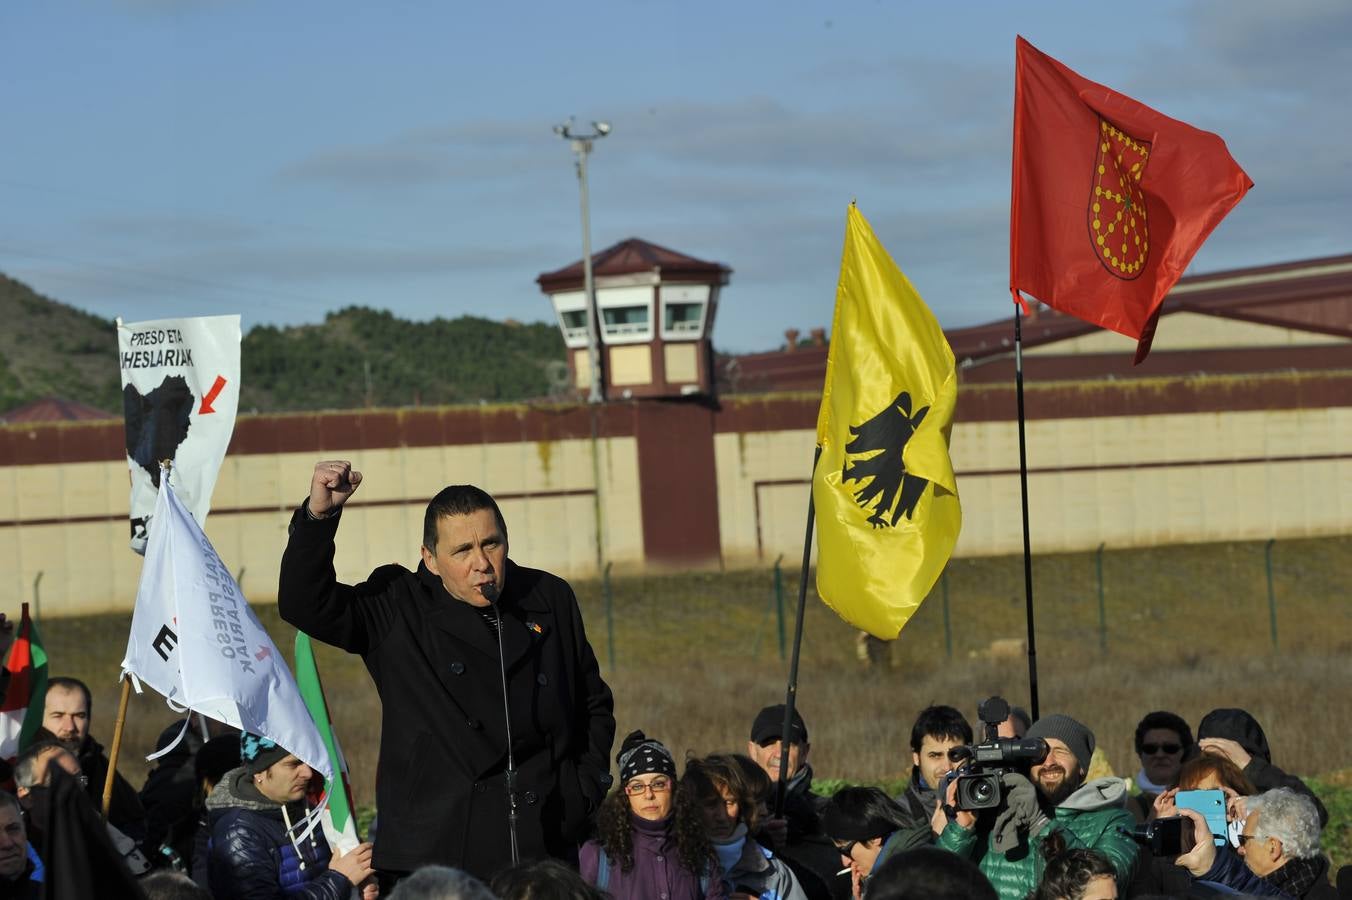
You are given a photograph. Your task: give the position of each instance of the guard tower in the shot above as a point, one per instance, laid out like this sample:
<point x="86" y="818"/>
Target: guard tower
<point x="654" y="315"/>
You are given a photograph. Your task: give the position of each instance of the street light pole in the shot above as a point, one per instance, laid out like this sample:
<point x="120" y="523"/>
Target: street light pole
<point x="582" y="146"/>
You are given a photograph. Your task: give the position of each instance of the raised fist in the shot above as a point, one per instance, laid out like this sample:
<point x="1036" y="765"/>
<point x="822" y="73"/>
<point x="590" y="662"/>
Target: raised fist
<point x="333" y="482"/>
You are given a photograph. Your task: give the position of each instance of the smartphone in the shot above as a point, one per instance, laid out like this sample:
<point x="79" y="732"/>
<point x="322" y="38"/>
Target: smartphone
<point x="1167" y="837"/>
<point x="1211" y="804"/>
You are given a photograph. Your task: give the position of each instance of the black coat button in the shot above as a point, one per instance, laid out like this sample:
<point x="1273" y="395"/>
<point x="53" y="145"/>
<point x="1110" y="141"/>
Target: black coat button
<point x="542" y="679"/>
<point x="531" y="798"/>
<point x="474" y="723"/>
<point x="457" y="668"/>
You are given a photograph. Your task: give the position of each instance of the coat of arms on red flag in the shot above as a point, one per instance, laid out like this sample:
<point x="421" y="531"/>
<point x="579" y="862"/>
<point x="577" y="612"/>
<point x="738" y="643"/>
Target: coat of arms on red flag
<point x="1156" y="188"/>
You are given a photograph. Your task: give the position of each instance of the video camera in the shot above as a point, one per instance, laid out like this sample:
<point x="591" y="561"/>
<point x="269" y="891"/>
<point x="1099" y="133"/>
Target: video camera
<point x="980" y="766"/>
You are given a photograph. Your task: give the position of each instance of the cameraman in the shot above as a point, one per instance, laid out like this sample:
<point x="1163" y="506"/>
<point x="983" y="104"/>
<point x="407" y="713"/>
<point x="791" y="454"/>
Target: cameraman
<point x="1091" y="816"/>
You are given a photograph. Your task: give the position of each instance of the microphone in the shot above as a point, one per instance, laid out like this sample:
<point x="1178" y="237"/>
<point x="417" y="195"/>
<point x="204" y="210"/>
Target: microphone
<point x="490" y="593"/>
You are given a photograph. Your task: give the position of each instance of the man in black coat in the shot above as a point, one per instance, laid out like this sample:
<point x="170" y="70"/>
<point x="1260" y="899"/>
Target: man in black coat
<point x="430" y="641"/>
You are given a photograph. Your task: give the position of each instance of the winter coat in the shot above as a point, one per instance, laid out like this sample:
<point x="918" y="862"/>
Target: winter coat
<point x="441" y="776"/>
<point x="918" y="800"/>
<point x="1093" y="817"/>
<point x="657" y="873"/>
<point x="808" y="853"/>
<point x="1237" y="725"/>
<point x="27" y="885"/>
<point x="759" y="873"/>
<point x="254" y="856"/>
<point x="1229" y="869"/>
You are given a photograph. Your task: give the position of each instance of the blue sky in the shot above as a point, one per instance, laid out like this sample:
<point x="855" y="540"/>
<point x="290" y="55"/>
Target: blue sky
<point x="282" y="160"/>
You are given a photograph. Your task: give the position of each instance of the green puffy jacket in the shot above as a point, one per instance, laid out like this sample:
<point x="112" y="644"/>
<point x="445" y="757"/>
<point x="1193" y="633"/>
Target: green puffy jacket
<point x="1094" y="817"/>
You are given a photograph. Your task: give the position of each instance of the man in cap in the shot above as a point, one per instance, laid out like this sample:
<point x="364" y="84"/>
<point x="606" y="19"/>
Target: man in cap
<point x="1053" y="798"/>
<point x="796" y="833"/>
<point x="259" y="847"/>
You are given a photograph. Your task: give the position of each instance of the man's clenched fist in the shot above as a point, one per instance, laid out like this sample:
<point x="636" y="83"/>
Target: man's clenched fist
<point x="333" y="482"/>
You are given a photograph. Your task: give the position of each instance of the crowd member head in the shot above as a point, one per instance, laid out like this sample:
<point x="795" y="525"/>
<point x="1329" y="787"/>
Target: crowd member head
<point x="928" y="873"/>
<point x="442" y="883"/>
<point x="937" y="730"/>
<point x="33" y="767"/>
<point x="66" y="712"/>
<point x="546" y="879"/>
<point x="727" y="802"/>
<point x="465" y="542"/>
<point x="276" y="773"/>
<point x="767" y="743"/>
<point x="1016" y="724"/>
<point x="1163" y="740"/>
<point x="172" y="886"/>
<point x="216" y="757"/>
<point x="1075" y="875"/>
<point x="13" y="843"/>
<point x="1282" y="829"/>
<point x="648" y="791"/>
<point x="1210" y="772"/>
<point x="1070" y="747"/>
<point x="1234" y="725"/>
<point x="859" y="820"/>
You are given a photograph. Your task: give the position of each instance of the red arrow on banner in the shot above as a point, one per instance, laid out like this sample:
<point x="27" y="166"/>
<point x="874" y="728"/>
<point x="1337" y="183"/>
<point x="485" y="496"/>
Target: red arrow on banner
<point x="211" y="395"/>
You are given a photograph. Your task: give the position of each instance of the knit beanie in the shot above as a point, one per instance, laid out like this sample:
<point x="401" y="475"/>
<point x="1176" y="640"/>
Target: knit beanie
<point x="1079" y="739"/>
<point x="257" y="753"/>
<point x="641" y="755"/>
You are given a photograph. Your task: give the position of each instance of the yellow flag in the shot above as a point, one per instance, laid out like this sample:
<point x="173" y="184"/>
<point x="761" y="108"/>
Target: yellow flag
<point x="886" y="500"/>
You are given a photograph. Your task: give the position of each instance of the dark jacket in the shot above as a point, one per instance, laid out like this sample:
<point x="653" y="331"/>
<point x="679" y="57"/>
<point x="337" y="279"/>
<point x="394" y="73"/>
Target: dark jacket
<point x="441" y="783"/>
<point x="253" y="857"/>
<point x="125" y="813"/>
<point x="811" y="856"/>
<point x="1237" y="725"/>
<point x="170" y="793"/>
<point x="28" y="884"/>
<point x="918" y="801"/>
<point x="657" y="870"/>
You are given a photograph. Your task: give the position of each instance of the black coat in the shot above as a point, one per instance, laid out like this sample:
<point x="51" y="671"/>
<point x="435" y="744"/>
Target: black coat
<point x="441" y="793"/>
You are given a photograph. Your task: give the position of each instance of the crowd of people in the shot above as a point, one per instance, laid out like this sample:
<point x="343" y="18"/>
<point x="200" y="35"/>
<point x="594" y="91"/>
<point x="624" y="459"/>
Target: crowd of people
<point x="221" y="816"/>
<point x="494" y="778"/>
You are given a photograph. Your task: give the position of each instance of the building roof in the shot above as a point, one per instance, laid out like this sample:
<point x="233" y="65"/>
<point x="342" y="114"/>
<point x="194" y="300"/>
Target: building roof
<point x="633" y="256"/>
<point x="54" y="409"/>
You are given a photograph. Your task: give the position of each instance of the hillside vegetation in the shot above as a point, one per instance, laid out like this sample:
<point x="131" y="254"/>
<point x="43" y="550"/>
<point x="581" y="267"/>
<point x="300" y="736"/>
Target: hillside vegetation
<point x="356" y="357"/>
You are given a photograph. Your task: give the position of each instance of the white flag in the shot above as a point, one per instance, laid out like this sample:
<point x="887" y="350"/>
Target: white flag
<point x="180" y="393"/>
<point x="196" y="641"/>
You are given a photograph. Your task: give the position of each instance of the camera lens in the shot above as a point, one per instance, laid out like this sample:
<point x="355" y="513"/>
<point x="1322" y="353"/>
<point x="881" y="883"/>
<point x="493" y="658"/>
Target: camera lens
<point x="982" y="791"/>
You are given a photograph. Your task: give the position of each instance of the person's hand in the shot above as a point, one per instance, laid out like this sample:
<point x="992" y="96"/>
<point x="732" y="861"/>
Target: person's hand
<point x="333" y="482"/>
<point x="939" y="821"/>
<point x="1227" y="748"/>
<point x="370" y="889"/>
<point x="856" y="881"/>
<point x="1164" y="807"/>
<point x="777" y="831"/>
<point x="355" y="865"/>
<point x="1202" y="856"/>
<point x="1236" y="808"/>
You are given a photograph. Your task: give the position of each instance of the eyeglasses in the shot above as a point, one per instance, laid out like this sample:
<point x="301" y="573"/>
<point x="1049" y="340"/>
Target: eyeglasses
<point x="1152" y="749"/>
<point x="639" y="788"/>
<point x="1245" y="838"/>
<point x="847" y="848"/>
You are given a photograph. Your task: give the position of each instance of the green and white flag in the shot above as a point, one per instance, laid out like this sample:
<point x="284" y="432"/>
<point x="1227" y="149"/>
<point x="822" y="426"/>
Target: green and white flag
<point x="340" y="825"/>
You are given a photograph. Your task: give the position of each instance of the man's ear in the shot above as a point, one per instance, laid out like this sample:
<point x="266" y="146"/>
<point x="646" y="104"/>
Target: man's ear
<point x="429" y="560"/>
<point x="802" y="754"/>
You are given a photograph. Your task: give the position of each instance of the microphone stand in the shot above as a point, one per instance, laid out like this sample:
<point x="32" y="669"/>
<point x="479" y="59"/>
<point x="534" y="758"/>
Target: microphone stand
<point x="490" y="592"/>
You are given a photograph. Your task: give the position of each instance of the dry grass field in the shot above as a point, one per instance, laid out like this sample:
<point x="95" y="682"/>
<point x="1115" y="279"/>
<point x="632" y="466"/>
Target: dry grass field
<point x="696" y="655"/>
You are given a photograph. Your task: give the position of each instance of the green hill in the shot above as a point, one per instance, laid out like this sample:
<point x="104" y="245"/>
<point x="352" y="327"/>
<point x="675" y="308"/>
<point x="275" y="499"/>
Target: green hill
<point x="355" y="357"/>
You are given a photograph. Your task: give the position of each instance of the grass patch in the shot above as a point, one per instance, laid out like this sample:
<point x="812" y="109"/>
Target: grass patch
<point x="694" y="656"/>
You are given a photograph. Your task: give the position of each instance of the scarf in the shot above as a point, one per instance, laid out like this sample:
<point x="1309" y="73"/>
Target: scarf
<point x="730" y="850"/>
<point x="1296" y="877"/>
<point x="1147" y="786"/>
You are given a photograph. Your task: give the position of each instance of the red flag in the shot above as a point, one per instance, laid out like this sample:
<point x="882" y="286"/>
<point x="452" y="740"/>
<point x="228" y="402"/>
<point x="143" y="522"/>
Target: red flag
<point x="1110" y="198"/>
<point x="26" y="663"/>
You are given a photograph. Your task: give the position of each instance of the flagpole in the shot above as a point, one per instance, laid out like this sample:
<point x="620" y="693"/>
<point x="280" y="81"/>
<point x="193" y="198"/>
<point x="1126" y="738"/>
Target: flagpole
<point x="1023" y="488"/>
<point x="116" y="746"/>
<point x="791" y="695"/>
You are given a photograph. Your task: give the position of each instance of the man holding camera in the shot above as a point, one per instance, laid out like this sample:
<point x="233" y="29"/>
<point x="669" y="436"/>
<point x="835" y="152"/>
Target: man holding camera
<point x="1054" y="798"/>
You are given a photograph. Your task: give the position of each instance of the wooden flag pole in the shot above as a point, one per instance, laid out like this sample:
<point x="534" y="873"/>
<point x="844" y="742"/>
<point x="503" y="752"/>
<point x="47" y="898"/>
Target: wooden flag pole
<point x="1027" y="543"/>
<point x="116" y="746"/>
<point x="791" y="695"/>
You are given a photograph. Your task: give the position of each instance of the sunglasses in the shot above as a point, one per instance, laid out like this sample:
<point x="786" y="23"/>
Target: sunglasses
<point x="847" y="848"/>
<point x="1152" y="749"/>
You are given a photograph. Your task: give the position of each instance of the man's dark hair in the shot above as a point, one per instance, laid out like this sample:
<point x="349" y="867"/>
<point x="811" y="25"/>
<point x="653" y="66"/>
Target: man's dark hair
<point x="1166" y="720"/>
<point x="457" y="500"/>
<point x="939" y="722"/>
<point x="25" y="774"/>
<point x="545" y="879"/>
<point x="172" y="886"/>
<point x="66" y="683"/>
<point x="1069" y="872"/>
<point x="8" y="799"/>
<point x="861" y="814"/>
<point x="928" y="873"/>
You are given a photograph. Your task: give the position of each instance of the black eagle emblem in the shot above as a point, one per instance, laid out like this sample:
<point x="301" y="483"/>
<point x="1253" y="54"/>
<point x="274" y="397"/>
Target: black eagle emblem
<point x="882" y="474"/>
